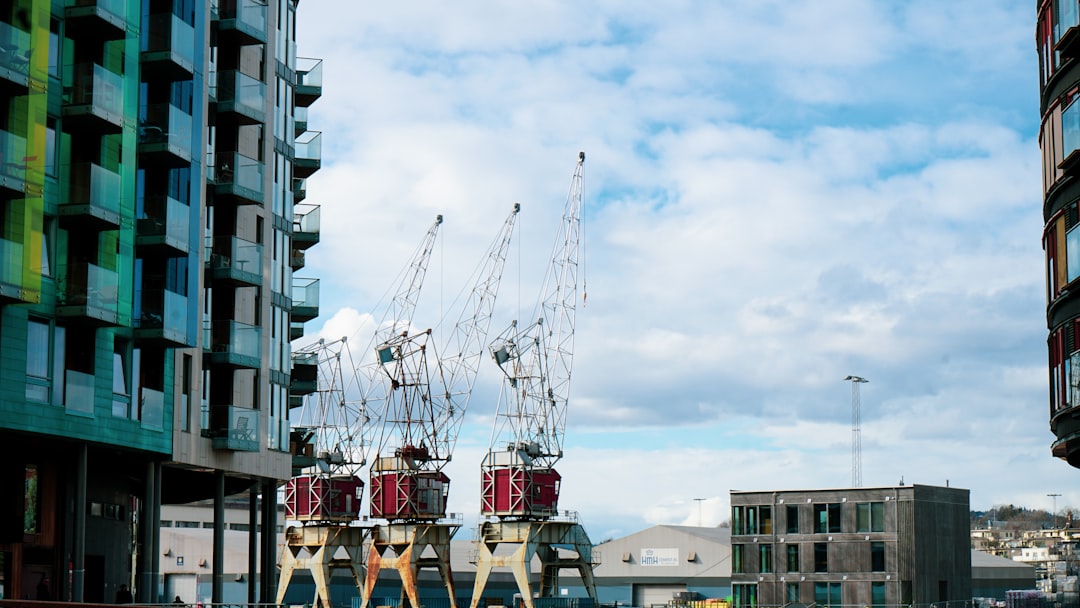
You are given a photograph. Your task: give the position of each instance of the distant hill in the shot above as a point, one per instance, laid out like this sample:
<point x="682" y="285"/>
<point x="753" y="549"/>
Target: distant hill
<point x="1018" y="518"/>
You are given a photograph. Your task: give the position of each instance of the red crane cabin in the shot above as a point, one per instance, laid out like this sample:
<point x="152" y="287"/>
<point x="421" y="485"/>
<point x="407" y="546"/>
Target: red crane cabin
<point x="512" y="487"/>
<point x="320" y="498"/>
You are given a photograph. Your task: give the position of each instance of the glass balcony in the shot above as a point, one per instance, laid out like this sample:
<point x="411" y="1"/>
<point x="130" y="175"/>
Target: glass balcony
<point x="243" y="19"/>
<point x="12" y="163"/>
<point x="164" y="225"/>
<point x="304" y="378"/>
<point x="235" y="260"/>
<point x="94" y="98"/>
<point x="152" y="408"/>
<point x="306" y="220"/>
<point x="308" y="81"/>
<point x="168" y="48"/>
<point x="96" y="19"/>
<point x="78" y="392"/>
<point x="297" y="259"/>
<point x="93" y="197"/>
<point x="14" y="58"/>
<point x="165" y="135"/>
<point x="236" y="344"/>
<point x="235" y="428"/>
<point x="164" y="316"/>
<point x="308" y="157"/>
<point x="296" y="330"/>
<point x="305" y="299"/>
<point x="90" y="292"/>
<point x="241" y="94"/>
<point x="237" y="178"/>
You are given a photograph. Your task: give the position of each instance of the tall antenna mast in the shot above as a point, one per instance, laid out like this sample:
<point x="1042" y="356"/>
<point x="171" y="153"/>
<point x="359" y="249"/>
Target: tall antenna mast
<point x="856" y="430"/>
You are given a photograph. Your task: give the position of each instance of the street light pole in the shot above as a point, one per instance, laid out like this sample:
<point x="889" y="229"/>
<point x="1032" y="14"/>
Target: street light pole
<point x="1054" y="514"/>
<point x="856" y="431"/>
<point x="698" y="500"/>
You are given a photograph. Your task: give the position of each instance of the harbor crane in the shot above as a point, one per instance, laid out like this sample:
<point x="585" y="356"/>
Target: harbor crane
<point x="331" y="439"/>
<point x="519" y="483"/>
<point x="426" y="396"/>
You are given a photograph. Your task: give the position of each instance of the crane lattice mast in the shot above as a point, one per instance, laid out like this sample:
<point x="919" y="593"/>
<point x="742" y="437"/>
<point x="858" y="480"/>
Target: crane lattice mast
<point x="519" y="484"/>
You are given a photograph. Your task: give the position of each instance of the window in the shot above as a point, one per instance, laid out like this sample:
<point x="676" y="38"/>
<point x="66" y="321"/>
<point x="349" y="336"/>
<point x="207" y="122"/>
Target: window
<point x="737" y="520"/>
<point x="38" y="376"/>
<point x="208" y="525"/>
<point x="239" y="527"/>
<point x="187" y="524"/>
<point x="792" y="516"/>
<point x="744" y="596"/>
<point x="877" y="557"/>
<point x="765" y="516"/>
<point x="185" y="394"/>
<point x="751" y="520"/>
<point x="877" y="593"/>
<point x="821" y="557"/>
<point x="166" y="523"/>
<point x="738" y="559"/>
<point x="827" y="518"/>
<point x="121" y="384"/>
<point x="793" y="558"/>
<point x="765" y="557"/>
<point x="827" y="594"/>
<point x="792" y="592"/>
<point x="870" y="517"/>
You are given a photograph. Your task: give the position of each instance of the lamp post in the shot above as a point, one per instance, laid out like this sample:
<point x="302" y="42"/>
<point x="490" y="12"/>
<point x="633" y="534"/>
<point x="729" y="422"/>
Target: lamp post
<point x="856" y="431"/>
<point x="698" y="500"/>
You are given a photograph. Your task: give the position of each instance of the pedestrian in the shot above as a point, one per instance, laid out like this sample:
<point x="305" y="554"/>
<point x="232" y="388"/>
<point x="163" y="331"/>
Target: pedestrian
<point x="123" y="596"/>
<point x="43" y="592"/>
<point x="177" y="600"/>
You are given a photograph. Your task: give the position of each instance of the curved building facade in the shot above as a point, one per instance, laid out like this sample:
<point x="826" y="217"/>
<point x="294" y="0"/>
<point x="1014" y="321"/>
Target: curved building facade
<point x="1057" y="38"/>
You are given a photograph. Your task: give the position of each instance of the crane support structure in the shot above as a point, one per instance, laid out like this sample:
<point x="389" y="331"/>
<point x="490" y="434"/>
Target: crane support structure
<point x="519" y="485"/>
<point x="331" y="437"/>
<point x="424" y="408"/>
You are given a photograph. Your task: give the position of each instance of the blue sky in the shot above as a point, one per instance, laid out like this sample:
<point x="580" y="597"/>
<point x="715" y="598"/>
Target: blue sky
<point x="777" y="196"/>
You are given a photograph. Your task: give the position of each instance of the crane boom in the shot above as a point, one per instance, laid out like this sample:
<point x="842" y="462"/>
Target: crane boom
<point x="426" y="399"/>
<point x="536" y="361"/>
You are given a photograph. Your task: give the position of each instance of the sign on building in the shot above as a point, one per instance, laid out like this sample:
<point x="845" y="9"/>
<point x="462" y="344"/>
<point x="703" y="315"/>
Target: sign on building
<point x="659" y="557"/>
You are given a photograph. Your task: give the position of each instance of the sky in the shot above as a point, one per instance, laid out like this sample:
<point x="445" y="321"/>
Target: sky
<point x="777" y="195"/>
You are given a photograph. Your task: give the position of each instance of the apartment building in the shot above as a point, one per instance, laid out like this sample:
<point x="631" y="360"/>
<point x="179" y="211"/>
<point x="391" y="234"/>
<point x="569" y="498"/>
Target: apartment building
<point x="153" y="156"/>
<point x="860" y="546"/>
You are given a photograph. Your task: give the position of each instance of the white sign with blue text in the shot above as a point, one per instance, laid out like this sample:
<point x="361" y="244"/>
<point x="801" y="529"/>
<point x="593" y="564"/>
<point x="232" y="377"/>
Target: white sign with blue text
<point x="659" y="557"/>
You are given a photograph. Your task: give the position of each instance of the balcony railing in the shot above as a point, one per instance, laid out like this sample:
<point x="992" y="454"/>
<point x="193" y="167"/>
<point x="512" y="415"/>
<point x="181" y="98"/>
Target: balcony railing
<point x="306" y="221"/>
<point x="14" y="55"/>
<point x="236" y="260"/>
<point x="95" y="96"/>
<point x="1070" y="137"/>
<point x="308" y="80"/>
<point x="235" y="343"/>
<point x="88" y="291"/>
<point x="166" y="130"/>
<point x="152" y="408"/>
<point x="300" y="120"/>
<point x="245" y="18"/>
<point x="94" y="195"/>
<point x="299" y="189"/>
<point x="308" y="156"/>
<point x="78" y="392"/>
<point x="98" y="19"/>
<point x="13" y="162"/>
<point x="165" y="223"/>
<point x="305" y="371"/>
<point x="305" y="299"/>
<point x="169" y="47"/>
<point x="237" y="176"/>
<point x="241" y="94"/>
<point x="164" y="315"/>
<point x="11" y="269"/>
<point x="235" y="428"/>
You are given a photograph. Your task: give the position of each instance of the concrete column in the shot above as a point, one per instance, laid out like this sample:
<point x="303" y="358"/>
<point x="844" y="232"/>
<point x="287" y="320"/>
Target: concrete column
<point x="155" y="562"/>
<point x="78" y="574"/>
<point x="253" y="541"/>
<point x="147" y="546"/>
<point x="268" y="575"/>
<point x="218" y="585"/>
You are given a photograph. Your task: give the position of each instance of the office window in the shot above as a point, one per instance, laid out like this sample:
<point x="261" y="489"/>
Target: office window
<point x="821" y="557"/>
<point x="765" y="557"/>
<point x="38" y="375"/>
<point x="827" y="518"/>
<point x="187" y="524"/>
<point x="793" y="558"/>
<point x="870" y="517"/>
<point x="792" y="516"/>
<point x="827" y="594"/>
<point x="877" y="594"/>
<point x="877" y="557"/>
<point x="738" y="559"/>
<point x="737" y="520"/>
<point x="208" y="525"/>
<point x="765" y="517"/>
